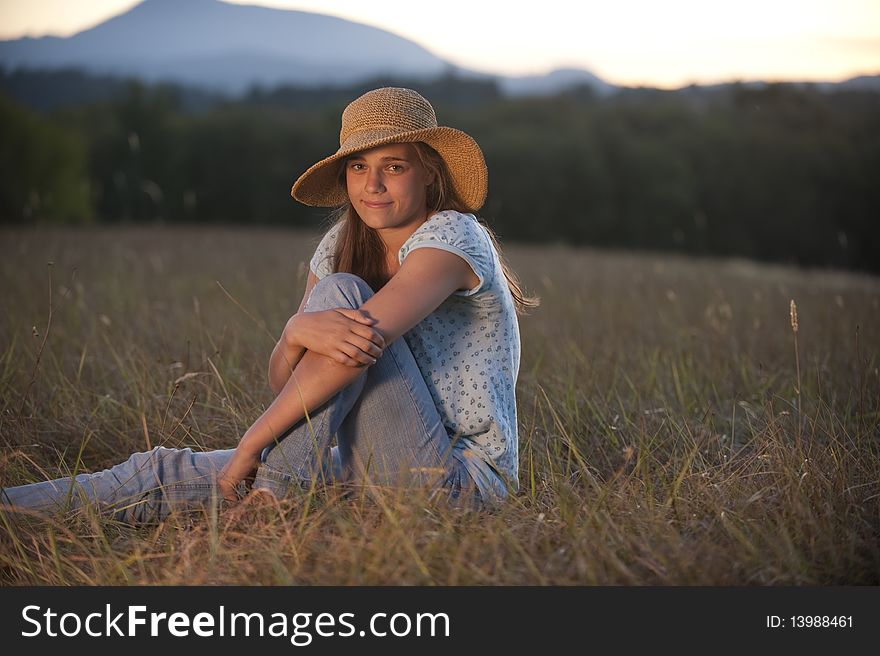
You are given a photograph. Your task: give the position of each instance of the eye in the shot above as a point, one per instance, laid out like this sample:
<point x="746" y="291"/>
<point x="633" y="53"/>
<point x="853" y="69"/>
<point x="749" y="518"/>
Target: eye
<point x="355" y="166"/>
<point x="396" y="168"/>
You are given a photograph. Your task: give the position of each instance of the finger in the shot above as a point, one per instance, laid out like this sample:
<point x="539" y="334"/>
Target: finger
<point x="367" y="347"/>
<point x="364" y="317"/>
<point x="357" y="354"/>
<point x="228" y="494"/>
<point x="343" y="358"/>
<point x="357" y="315"/>
<point x="373" y="336"/>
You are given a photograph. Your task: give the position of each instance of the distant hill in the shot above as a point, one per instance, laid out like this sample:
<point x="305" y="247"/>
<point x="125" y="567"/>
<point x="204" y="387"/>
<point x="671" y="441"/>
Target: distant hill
<point x="224" y="46"/>
<point x="230" y="48"/>
<point x="211" y="50"/>
<point x="863" y="83"/>
<point x="554" y="82"/>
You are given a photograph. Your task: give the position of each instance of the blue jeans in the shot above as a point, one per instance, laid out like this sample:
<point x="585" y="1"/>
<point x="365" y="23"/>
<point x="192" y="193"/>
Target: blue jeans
<point x="387" y="428"/>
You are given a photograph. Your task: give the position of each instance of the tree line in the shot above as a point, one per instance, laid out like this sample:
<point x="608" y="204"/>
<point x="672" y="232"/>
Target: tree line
<point x="779" y="172"/>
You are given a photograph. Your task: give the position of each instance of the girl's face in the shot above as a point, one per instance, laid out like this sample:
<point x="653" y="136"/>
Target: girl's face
<point x="387" y="186"/>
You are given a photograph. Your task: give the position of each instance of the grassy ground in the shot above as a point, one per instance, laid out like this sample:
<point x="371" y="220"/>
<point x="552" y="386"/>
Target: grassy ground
<point x="672" y="431"/>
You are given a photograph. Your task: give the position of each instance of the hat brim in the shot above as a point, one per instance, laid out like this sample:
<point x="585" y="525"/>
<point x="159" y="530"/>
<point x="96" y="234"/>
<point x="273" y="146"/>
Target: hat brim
<point x="319" y="186"/>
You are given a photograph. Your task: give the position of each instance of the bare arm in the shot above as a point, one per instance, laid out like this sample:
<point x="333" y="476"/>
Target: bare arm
<point x="287" y="354"/>
<point x="343" y="334"/>
<point x="426" y="278"/>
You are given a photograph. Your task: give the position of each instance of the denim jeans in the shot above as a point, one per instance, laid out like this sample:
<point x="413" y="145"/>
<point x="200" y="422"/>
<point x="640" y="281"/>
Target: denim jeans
<point x="387" y="428"/>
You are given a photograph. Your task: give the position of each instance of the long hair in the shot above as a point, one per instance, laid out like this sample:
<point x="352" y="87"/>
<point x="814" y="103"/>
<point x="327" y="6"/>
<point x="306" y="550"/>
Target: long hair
<point x="360" y="250"/>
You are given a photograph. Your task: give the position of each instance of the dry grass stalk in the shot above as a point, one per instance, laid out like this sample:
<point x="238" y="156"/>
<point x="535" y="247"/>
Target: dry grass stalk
<point x="634" y="468"/>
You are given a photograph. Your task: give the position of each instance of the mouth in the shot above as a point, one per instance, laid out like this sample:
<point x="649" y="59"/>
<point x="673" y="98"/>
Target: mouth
<point x="376" y="205"/>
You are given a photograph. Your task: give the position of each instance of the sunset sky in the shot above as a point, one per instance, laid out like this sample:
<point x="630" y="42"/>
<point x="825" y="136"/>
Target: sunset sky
<point x="666" y="44"/>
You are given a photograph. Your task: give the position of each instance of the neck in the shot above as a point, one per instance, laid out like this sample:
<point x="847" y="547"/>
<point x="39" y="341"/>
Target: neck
<point x="395" y="237"/>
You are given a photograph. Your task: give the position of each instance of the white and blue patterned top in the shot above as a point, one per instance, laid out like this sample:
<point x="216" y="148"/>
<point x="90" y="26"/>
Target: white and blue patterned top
<point x="468" y="349"/>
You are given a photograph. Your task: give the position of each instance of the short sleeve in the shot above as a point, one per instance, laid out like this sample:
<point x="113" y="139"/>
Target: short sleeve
<point x="457" y="233"/>
<point x="322" y="263"/>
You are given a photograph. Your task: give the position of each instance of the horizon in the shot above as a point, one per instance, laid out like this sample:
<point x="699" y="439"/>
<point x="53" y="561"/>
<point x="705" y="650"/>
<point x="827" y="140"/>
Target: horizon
<point x="793" y="42"/>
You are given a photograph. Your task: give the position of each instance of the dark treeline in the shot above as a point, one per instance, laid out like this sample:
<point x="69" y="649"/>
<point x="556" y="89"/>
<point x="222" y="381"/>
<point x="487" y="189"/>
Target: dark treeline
<point x="777" y="172"/>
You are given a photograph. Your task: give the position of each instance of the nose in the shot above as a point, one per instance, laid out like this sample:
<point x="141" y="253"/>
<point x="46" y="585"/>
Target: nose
<point x="374" y="183"/>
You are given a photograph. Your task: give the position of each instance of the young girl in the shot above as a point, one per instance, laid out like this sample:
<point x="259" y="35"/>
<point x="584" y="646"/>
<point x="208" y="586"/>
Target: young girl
<point x="406" y="257"/>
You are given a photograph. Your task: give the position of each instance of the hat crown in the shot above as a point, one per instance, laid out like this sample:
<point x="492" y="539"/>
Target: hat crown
<point x="390" y="109"/>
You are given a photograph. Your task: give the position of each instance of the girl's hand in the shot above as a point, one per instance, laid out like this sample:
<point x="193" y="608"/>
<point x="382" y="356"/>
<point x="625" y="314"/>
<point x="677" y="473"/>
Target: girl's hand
<point x="343" y="334"/>
<point x="241" y="467"/>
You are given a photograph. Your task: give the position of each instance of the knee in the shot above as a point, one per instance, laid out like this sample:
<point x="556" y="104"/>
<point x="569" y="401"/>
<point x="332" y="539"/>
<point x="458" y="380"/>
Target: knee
<point x="156" y="460"/>
<point x="143" y="458"/>
<point x="339" y="290"/>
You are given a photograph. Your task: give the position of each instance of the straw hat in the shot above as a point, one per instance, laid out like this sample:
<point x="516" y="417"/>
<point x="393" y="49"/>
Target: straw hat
<point x="392" y="115"/>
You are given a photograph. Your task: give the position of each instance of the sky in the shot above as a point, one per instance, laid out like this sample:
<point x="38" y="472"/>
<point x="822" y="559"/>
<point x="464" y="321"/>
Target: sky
<point x="628" y="42"/>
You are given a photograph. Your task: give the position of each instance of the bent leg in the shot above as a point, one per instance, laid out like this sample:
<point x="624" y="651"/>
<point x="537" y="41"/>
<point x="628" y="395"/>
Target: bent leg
<point x="387" y="426"/>
<point x="303" y="453"/>
<point x="394" y="434"/>
<point x="143" y="489"/>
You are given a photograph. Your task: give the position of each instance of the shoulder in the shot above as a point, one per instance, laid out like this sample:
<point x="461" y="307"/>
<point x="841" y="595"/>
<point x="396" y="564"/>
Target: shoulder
<point x="458" y="233"/>
<point x="322" y="261"/>
<point x="450" y="227"/>
<point x="451" y="220"/>
<point x="332" y="233"/>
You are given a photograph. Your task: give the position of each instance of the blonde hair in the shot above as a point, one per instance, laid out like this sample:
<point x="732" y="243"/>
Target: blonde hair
<point x="360" y="250"/>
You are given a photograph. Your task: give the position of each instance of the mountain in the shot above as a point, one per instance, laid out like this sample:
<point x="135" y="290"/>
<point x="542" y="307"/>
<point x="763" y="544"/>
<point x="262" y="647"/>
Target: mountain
<point x="863" y="83"/>
<point x="230" y="48"/>
<point x="554" y="82"/>
<point x="227" y="47"/>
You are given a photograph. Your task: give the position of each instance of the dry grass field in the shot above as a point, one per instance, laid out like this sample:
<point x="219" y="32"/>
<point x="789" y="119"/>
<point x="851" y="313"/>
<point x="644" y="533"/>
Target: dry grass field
<point x="672" y="429"/>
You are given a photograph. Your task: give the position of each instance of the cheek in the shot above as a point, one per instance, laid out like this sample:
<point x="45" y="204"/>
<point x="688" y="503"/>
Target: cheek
<point x="417" y="189"/>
